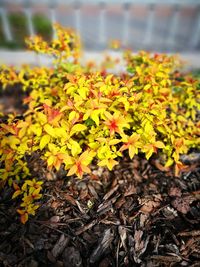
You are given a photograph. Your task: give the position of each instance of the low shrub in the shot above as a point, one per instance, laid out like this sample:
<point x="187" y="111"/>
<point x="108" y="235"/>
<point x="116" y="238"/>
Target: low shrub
<point x="77" y="116"/>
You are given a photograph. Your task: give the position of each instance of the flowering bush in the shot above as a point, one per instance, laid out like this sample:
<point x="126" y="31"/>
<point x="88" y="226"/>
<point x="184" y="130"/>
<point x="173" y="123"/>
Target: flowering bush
<point x="76" y="116"/>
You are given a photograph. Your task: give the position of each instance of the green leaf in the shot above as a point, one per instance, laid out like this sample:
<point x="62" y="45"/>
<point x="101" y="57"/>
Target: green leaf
<point x="89" y="122"/>
<point x="131" y="70"/>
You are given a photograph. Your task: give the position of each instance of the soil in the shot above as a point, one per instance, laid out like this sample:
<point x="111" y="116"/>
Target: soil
<point x="135" y="215"/>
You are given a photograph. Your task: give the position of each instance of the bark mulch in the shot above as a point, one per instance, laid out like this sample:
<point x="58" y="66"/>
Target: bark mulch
<point x="136" y="215"/>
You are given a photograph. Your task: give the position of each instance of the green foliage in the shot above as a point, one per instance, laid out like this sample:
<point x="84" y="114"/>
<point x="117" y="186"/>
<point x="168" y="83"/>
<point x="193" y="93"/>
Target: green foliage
<point x="42" y="26"/>
<point x="18" y="25"/>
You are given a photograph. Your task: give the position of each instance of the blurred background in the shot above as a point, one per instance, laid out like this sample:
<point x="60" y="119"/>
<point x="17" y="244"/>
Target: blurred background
<point x="168" y="26"/>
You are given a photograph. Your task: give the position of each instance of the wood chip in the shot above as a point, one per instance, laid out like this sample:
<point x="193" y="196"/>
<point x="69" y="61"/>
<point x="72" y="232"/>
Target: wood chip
<point x="103" y="245"/>
<point x="79" y="206"/>
<point x="131" y="190"/>
<point x="93" y="191"/>
<point x="54" y="219"/>
<point x="175" y="192"/>
<point x="191" y="233"/>
<point x="166" y="258"/>
<point x="123" y="236"/>
<point x="149" y="206"/>
<point x="70" y="199"/>
<point x="107" y="203"/>
<point x="60" y="246"/>
<point x="86" y="227"/>
<point x="111" y="192"/>
<point x="182" y="204"/>
<point x="72" y="257"/>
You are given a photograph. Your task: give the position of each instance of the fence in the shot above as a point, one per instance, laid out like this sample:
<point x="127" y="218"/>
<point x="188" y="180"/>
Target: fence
<point x="169" y="25"/>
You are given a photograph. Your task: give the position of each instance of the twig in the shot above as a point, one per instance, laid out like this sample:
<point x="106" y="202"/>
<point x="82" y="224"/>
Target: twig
<point x="117" y="254"/>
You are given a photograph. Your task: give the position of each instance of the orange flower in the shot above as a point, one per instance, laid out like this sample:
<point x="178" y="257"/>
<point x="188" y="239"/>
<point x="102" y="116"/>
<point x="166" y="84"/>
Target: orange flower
<point x="116" y="123"/>
<point x="81" y="164"/>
